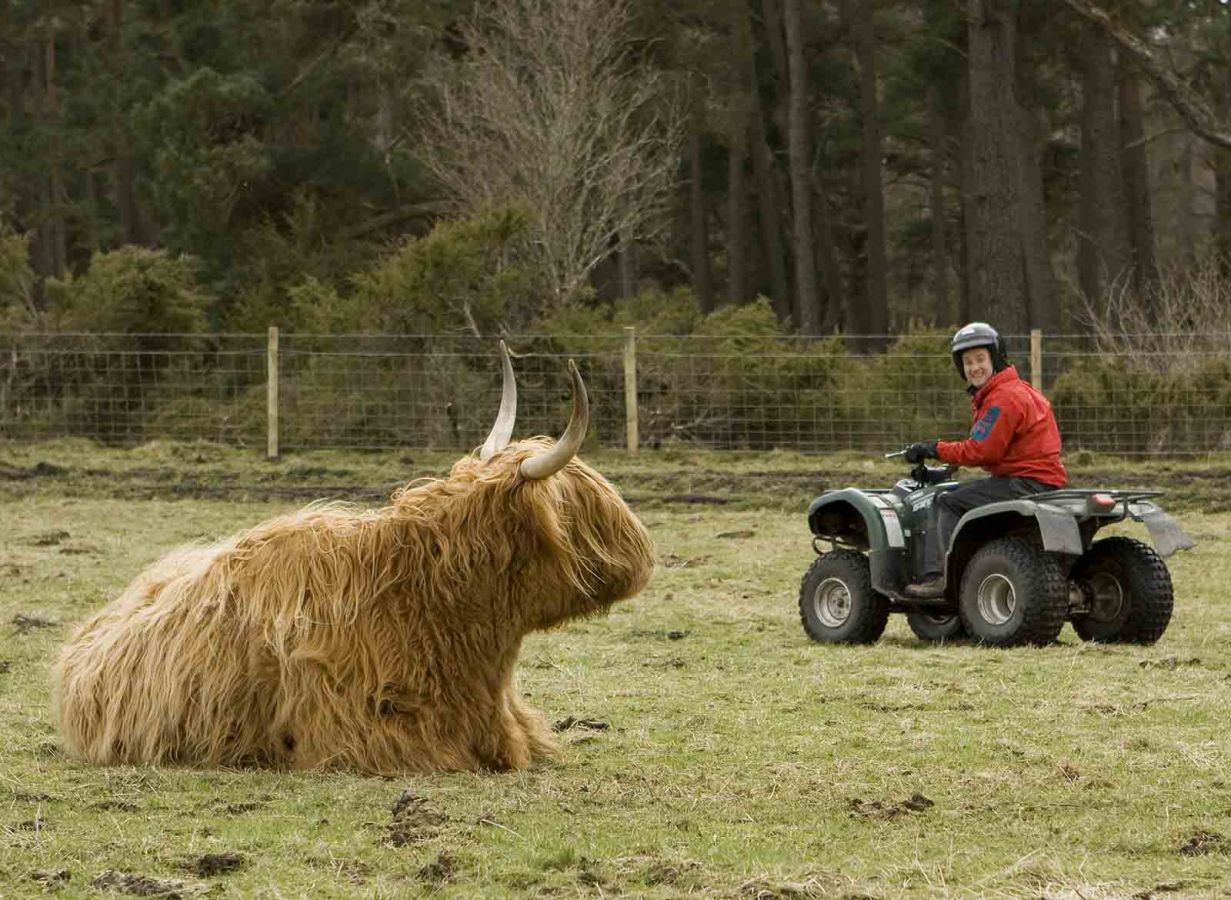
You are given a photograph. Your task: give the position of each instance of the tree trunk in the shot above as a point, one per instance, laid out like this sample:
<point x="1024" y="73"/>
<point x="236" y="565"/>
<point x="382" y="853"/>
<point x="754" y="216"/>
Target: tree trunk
<point x="773" y="12"/>
<point x="1044" y="310"/>
<point x="807" y="300"/>
<point x="837" y="312"/>
<point x="942" y="309"/>
<point x="875" y="306"/>
<point x="58" y="230"/>
<point x="737" y="216"/>
<point x="995" y="264"/>
<point x="1103" y="256"/>
<point x="699" y="242"/>
<point x="1136" y="167"/>
<point x="768" y="188"/>
<point x="626" y="259"/>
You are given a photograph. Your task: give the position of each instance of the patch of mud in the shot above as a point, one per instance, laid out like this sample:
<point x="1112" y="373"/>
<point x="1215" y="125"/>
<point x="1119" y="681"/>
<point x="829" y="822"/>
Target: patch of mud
<point x="5" y="665"/>
<point x="49" y="538"/>
<point x="38" y="470"/>
<point x="25" y="624"/>
<point x="438" y="872"/>
<point x="658" y="633"/>
<point x="1164" y="887"/>
<point x="414" y="820"/>
<point x="51" y="879"/>
<point x="654" y="871"/>
<point x="1168" y="662"/>
<point x="147" y="886"/>
<point x="1202" y="843"/>
<point x="875" y="809"/>
<point x="38" y="824"/>
<point x="117" y="805"/>
<point x="238" y="809"/>
<point x="667" y="662"/>
<point x="211" y="864"/>
<point x="674" y="561"/>
<point x="28" y="797"/>
<point x="765" y="889"/>
<point x="569" y="722"/>
<point x="80" y="550"/>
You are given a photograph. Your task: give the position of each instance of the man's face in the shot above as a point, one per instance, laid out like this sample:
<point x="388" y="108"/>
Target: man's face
<point x="977" y="364"/>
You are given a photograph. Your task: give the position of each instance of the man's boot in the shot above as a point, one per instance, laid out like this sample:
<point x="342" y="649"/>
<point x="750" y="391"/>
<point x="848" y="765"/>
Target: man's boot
<point x="929" y="587"/>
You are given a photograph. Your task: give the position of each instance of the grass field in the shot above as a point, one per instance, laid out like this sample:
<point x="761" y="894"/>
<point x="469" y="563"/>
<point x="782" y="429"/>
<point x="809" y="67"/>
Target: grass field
<point x="709" y="749"/>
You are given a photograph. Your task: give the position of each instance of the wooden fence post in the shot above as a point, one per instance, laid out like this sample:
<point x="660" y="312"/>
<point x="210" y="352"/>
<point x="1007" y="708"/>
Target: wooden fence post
<point x="271" y="394"/>
<point x="1036" y="359"/>
<point x="630" y="387"/>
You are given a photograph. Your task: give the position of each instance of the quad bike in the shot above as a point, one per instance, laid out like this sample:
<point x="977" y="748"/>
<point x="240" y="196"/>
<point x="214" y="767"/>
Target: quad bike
<point x="1015" y="570"/>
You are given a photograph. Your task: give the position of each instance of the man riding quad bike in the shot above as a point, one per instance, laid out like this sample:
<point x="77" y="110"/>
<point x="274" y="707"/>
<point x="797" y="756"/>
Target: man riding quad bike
<point x="1004" y="559"/>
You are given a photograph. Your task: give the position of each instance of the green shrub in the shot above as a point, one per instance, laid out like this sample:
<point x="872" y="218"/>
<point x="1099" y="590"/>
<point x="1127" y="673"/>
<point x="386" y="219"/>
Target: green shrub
<point x="132" y="290"/>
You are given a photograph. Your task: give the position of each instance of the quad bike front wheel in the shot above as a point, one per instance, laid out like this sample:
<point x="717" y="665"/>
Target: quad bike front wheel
<point x="837" y="604"/>
<point x="1013" y="593"/>
<point x="936" y="626"/>
<point x="1129" y="592"/>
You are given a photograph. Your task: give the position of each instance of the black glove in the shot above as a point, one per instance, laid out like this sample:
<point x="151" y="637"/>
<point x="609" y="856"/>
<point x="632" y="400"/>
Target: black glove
<point x="917" y="453"/>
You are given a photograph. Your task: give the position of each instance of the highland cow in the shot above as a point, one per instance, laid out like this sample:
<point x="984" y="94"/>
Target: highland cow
<point x="380" y="640"/>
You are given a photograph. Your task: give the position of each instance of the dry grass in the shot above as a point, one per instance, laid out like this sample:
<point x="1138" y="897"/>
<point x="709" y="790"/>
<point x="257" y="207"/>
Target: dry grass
<point x="738" y="759"/>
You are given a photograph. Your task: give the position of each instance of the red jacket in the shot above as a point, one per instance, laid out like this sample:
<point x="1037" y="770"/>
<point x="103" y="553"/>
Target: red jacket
<point x="1014" y="435"/>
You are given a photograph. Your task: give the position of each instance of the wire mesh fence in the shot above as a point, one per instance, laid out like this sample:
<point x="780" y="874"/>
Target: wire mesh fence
<point x="1155" y="394"/>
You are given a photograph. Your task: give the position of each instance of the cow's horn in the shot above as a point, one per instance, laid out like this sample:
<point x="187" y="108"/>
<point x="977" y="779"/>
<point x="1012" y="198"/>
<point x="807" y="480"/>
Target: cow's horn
<point x="503" y="429"/>
<point x="549" y="462"/>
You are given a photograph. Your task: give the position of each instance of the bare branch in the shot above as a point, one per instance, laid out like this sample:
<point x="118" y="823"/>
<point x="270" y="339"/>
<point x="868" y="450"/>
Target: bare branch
<point x="552" y="112"/>
<point x="1183" y="99"/>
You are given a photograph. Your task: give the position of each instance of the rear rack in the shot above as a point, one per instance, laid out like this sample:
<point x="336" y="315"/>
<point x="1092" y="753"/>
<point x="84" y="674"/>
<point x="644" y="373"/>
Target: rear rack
<point x="1082" y="493"/>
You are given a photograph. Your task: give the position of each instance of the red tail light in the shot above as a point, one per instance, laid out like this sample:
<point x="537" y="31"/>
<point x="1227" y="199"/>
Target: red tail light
<point x="1100" y="502"/>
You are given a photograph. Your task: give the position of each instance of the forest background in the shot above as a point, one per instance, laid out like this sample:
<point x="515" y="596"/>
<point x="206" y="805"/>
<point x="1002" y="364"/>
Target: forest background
<point x="775" y="166"/>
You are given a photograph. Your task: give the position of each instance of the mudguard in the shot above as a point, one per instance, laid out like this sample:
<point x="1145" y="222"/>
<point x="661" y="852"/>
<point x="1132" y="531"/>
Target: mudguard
<point x="1057" y="527"/>
<point x="1165" y="532"/>
<point x="886" y="540"/>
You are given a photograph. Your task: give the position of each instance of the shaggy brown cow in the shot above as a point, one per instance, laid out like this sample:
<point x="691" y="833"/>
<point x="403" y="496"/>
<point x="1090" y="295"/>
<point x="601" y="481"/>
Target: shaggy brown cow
<point x="380" y="640"/>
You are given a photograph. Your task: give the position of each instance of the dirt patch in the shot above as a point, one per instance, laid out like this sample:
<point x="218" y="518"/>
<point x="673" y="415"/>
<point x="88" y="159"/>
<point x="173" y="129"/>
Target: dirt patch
<point x="672" y="635"/>
<point x="569" y="722"/>
<point x="38" y="470"/>
<point x="25" y="624"/>
<point x="415" y="820"/>
<point x="733" y="535"/>
<point x="5" y="665"/>
<point x="147" y="886"/>
<point x="672" y="561"/>
<point x="238" y="809"/>
<point x="117" y="805"/>
<point x="1202" y="843"/>
<point x="28" y="797"/>
<point x="212" y="864"/>
<point x="51" y="879"/>
<point x="875" y="809"/>
<point x="437" y="872"/>
<point x="654" y="871"/>
<point x="1168" y="662"/>
<point x="49" y="538"/>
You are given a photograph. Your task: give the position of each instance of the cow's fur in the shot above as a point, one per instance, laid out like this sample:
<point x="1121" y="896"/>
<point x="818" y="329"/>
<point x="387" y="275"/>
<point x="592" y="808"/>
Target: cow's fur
<point x="380" y="640"/>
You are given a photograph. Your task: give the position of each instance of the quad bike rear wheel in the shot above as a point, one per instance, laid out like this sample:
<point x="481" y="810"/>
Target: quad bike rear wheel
<point x="1129" y="590"/>
<point x="936" y="626"/>
<point x="1013" y="593"/>
<point x="837" y="604"/>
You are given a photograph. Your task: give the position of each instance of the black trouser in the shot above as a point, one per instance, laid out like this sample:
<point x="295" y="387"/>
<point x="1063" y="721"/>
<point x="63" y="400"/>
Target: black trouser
<point x="950" y="507"/>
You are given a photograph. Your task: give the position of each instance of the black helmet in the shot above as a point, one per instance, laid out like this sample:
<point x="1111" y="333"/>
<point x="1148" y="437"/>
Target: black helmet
<point x="978" y="334"/>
